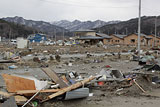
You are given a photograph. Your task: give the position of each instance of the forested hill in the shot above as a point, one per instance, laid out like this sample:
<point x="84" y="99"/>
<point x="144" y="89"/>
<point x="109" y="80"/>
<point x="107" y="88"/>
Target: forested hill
<point x="12" y="30"/>
<point x="131" y="26"/>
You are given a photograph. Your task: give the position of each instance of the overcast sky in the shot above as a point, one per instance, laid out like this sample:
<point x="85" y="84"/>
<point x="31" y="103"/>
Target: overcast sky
<point x="55" y="10"/>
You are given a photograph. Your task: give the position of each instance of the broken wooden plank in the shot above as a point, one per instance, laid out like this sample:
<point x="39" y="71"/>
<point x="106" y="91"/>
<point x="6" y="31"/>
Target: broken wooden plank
<point x="5" y="94"/>
<point x="54" y="77"/>
<point x="7" y="61"/>
<point x="69" y="88"/>
<point x="20" y="99"/>
<point x="34" y="91"/>
<point x="14" y="83"/>
<point x="31" y="98"/>
<point x="139" y="86"/>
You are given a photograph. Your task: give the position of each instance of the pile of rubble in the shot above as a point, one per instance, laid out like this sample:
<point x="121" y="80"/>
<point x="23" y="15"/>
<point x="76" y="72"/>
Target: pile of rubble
<point x="26" y="90"/>
<point x="21" y="89"/>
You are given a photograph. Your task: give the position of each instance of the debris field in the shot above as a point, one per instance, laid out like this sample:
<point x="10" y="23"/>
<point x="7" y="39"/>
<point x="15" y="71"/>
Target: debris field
<point x="79" y="76"/>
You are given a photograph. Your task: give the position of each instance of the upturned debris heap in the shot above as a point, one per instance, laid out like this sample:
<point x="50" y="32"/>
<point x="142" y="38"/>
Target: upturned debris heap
<point x="25" y="88"/>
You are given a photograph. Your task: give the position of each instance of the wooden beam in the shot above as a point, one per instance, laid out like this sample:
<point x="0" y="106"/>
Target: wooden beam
<point x="20" y="99"/>
<point x="5" y="94"/>
<point x="54" y="77"/>
<point x="74" y="86"/>
<point x="139" y="86"/>
<point x="34" y="91"/>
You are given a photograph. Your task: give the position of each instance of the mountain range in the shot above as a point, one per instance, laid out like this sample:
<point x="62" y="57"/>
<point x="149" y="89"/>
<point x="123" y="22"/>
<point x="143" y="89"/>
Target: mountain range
<point x="58" y="27"/>
<point x="12" y="30"/>
<point x="131" y="26"/>
<point x="64" y="26"/>
<point x="79" y="25"/>
<point x="41" y="26"/>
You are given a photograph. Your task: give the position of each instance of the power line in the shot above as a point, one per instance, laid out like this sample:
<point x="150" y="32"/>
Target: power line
<point x="150" y="10"/>
<point x="86" y="6"/>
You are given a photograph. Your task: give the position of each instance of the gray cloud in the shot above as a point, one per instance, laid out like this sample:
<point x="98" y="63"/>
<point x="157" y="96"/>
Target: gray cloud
<point x="51" y="10"/>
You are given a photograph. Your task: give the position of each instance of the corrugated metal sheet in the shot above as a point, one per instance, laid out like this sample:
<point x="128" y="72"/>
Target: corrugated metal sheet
<point x="78" y="93"/>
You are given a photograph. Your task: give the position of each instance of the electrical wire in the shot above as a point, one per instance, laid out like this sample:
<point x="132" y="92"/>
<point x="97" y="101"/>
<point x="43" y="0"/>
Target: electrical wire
<point x="86" y="6"/>
<point x="150" y="10"/>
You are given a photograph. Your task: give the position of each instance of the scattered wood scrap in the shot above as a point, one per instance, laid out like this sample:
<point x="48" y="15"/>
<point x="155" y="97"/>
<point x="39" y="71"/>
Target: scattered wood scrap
<point x="14" y="83"/>
<point x="34" y="91"/>
<point x="5" y="94"/>
<point x="7" y="61"/>
<point x="54" y="77"/>
<point x="69" y="88"/>
<point x="20" y="99"/>
<point x="139" y="86"/>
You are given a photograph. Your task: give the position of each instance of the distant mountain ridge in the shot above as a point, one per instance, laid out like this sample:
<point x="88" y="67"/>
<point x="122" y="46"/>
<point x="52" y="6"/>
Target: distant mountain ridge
<point x="131" y="26"/>
<point x="77" y="25"/>
<point x="111" y="27"/>
<point x="12" y="30"/>
<point x="42" y="26"/>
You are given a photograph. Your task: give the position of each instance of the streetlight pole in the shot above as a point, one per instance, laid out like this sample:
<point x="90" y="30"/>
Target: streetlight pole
<point x="155" y="40"/>
<point x="139" y="27"/>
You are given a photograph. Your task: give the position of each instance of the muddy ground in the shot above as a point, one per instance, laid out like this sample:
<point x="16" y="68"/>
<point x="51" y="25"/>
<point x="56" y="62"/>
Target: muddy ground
<point x="105" y="96"/>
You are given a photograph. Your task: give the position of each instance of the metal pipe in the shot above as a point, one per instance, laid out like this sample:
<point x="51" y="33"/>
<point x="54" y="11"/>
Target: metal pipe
<point x="139" y="28"/>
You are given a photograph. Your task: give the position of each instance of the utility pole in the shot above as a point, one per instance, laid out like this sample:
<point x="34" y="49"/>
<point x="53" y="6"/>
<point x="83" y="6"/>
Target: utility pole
<point x="10" y="33"/>
<point x="63" y="35"/>
<point x="126" y="31"/>
<point x="139" y="28"/>
<point x="52" y="37"/>
<point x="155" y="39"/>
<point x="108" y="31"/>
<point x="55" y="35"/>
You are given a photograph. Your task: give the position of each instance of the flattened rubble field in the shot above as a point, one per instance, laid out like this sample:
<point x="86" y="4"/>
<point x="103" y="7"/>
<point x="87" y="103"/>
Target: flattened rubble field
<point x="110" y="94"/>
